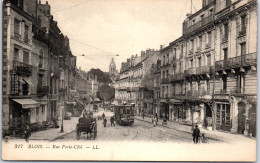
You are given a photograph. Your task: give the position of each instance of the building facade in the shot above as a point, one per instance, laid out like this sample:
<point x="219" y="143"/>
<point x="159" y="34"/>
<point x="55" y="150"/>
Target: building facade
<point x="213" y="68"/>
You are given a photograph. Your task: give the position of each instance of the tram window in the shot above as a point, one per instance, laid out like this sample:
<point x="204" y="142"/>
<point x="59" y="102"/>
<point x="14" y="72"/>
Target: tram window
<point x="124" y="111"/>
<point x="128" y="111"/>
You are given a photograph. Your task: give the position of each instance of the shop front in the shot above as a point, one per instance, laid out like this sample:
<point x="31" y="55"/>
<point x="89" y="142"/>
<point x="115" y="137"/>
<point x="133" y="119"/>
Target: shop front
<point x="164" y="109"/>
<point x="23" y="112"/>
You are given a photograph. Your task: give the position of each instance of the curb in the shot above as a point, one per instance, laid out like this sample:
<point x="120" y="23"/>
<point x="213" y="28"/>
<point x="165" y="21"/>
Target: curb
<point x="181" y="131"/>
<point x="58" y="137"/>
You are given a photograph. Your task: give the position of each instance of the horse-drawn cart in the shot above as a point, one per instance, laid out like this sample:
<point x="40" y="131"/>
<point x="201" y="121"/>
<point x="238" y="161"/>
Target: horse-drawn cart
<point x="86" y="126"/>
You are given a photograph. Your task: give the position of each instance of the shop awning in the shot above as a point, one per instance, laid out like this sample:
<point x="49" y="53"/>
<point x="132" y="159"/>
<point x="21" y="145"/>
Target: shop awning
<point x="96" y="99"/>
<point x="163" y="100"/>
<point x="27" y="103"/>
<point x="115" y="102"/>
<point x="173" y="101"/>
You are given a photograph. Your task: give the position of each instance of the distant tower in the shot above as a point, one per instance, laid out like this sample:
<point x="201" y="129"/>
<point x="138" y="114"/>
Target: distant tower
<point x="112" y="67"/>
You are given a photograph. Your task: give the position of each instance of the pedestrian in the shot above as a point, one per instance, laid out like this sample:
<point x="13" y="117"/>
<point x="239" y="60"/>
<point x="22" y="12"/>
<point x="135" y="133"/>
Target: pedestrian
<point x="143" y="113"/>
<point x="112" y="120"/>
<point x="105" y="122"/>
<point x="156" y="115"/>
<point x="103" y="116"/>
<point x="27" y="133"/>
<point x="196" y="134"/>
<point x="154" y="121"/>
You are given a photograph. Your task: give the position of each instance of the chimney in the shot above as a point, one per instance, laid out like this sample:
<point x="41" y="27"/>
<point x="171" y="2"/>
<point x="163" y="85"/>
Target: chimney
<point x="46" y="2"/>
<point x="142" y="54"/>
<point x="40" y="2"/>
<point x="161" y="46"/>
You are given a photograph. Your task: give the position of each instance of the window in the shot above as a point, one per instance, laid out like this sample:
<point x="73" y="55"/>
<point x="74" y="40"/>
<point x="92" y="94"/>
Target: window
<point x="17" y="28"/>
<point x="202" y="18"/>
<point x="167" y="91"/>
<point x="225" y="54"/>
<point x="191" y="63"/>
<point x="209" y="38"/>
<point x="199" y="87"/>
<point x="25" y="57"/>
<point x="26" y="29"/>
<point x="174" y="69"/>
<point x="190" y="86"/>
<point x="200" y="41"/>
<point x="192" y="45"/>
<point x="243" y="48"/>
<point x="208" y="87"/>
<point x="180" y="67"/>
<point x="173" y="89"/>
<point x="209" y="60"/>
<point x="181" y="52"/>
<point x="167" y="73"/>
<point x="224" y="83"/>
<point x="167" y="59"/>
<point x="199" y="61"/>
<point x="16" y="54"/>
<point x="243" y="23"/>
<point x="163" y="60"/>
<point x="240" y="83"/>
<point x="226" y="31"/>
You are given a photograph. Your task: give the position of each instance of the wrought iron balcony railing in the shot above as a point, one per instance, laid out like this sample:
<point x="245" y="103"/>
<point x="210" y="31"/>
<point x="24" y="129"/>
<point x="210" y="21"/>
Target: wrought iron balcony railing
<point x="199" y="24"/>
<point x="177" y="77"/>
<point x="22" y="69"/>
<point x="190" y="72"/>
<point x="44" y="90"/>
<point x="242" y="32"/>
<point x="165" y="80"/>
<point x="203" y="70"/>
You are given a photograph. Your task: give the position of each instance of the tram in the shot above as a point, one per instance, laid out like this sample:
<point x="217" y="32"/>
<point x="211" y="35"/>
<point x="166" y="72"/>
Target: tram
<point x="124" y="114"/>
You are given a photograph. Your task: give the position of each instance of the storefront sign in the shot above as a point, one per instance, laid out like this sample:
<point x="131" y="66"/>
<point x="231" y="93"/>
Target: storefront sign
<point x="219" y="97"/>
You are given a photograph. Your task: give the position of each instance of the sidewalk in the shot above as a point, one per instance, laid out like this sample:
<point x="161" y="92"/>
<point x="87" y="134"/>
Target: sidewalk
<point x="215" y="135"/>
<point x="51" y="134"/>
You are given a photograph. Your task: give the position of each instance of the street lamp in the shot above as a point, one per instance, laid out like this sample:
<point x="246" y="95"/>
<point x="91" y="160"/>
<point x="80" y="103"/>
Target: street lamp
<point x="61" y="128"/>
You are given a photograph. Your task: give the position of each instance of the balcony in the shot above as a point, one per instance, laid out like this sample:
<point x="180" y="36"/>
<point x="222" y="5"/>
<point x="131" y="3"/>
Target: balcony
<point x="56" y="72"/>
<point x="208" y="45"/>
<point x="177" y="77"/>
<point x="249" y="59"/>
<point x="219" y="65"/>
<point x="22" y="69"/>
<point x="242" y="32"/>
<point x="192" y="94"/>
<point x="236" y="91"/>
<point x="232" y="62"/>
<point x="198" y="49"/>
<point x="165" y="65"/>
<point x="165" y="80"/>
<point x="224" y="39"/>
<point x="221" y="91"/>
<point x="202" y="70"/>
<point x="190" y="52"/>
<point x="236" y="62"/>
<point x="178" y="96"/>
<point x="190" y="72"/>
<point x="44" y="90"/>
<point x="198" y="25"/>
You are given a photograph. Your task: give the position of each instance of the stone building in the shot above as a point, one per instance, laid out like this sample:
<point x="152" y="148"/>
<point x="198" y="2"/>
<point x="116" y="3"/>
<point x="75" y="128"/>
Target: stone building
<point x="32" y="79"/>
<point x="130" y="87"/>
<point x="213" y="65"/>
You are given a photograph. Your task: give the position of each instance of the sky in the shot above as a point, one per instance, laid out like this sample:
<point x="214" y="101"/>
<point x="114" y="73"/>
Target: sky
<point x="101" y="29"/>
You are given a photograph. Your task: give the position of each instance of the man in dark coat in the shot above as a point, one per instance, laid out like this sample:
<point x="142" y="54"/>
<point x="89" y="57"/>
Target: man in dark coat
<point x="112" y="120"/>
<point x="196" y="134"/>
<point x="103" y="116"/>
<point x="27" y="133"/>
<point x="105" y="122"/>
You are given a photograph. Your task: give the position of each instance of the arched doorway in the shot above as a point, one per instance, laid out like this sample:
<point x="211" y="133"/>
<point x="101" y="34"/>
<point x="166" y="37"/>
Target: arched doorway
<point x="241" y="117"/>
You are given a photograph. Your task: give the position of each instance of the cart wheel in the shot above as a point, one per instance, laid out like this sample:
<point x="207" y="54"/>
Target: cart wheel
<point x="78" y="136"/>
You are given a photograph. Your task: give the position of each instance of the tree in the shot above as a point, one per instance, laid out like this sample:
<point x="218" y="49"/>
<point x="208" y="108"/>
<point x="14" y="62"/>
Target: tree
<point x="106" y="93"/>
<point x="102" y="77"/>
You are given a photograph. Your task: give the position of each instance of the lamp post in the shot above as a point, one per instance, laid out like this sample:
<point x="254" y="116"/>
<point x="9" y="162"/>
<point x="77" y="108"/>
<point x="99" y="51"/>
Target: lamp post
<point x="61" y="128"/>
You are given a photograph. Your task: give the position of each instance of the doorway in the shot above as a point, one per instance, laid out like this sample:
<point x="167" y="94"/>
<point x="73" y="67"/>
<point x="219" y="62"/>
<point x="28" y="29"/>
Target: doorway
<point x="241" y="117"/>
